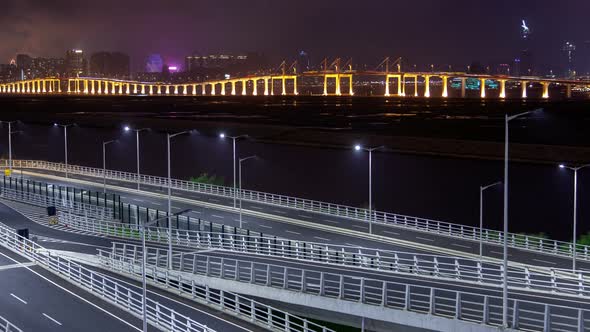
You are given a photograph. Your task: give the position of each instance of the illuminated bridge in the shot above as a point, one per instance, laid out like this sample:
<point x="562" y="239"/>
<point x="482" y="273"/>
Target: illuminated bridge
<point x="336" y="82"/>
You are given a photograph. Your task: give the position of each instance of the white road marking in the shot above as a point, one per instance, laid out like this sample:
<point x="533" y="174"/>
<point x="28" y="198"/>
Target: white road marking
<point x="156" y="203"/>
<point x="461" y="245"/>
<point x="390" y="232"/>
<point x="214" y="200"/>
<point x="278" y="211"/>
<point x="265" y="226"/>
<point x="18" y="298"/>
<point x="321" y="238"/>
<point x="543" y="261"/>
<point x="216" y="216"/>
<point x="425" y="239"/>
<point x="358" y="226"/>
<point x="138" y="200"/>
<point x="304" y="216"/>
<point x="350" y="244"/>
<point x="52" y="319"/>
<point x="499" y="252"/>
<point x="197" y="212"/>
<point x="332" y="221"/>
<point x="75" y="295"/>
<point x="288" y="231"/>
<point x="256" y="207"/>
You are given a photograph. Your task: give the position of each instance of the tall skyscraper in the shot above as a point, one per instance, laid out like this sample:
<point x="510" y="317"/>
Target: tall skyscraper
<point x="526" y="66"/>
<point x="569" y="54"/>
<point x="75" y="63"/>
<point x="109" y="64"/>
<point x="303" y="62"/>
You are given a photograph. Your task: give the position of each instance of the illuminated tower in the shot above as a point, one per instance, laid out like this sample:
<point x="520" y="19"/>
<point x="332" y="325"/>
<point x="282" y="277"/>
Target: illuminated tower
<point x="569" y="52"/>
<point x="526" y="56"/>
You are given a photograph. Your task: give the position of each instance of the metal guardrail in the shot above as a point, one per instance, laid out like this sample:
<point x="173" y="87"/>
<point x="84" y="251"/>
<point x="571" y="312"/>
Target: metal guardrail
<point x="104" y="287"/>
<point x="483" y="309"/>
<point x="519" y="241"/>
<point x="6" y="326"/>
<point x="233" y="303"/>
<point x="442" y="267"/>
<point x="62" y="204"/>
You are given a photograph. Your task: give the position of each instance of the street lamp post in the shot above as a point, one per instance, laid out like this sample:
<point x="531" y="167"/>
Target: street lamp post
<point x="169" y="137"/>
<point x="574" y="235"/>
<point x="234" y="138"/>
<point x="505" y="234"/>
<point x="240" y="181"/>
<point x="10" y="132"/>
<point x="144" y="263"/>
<point x="104" y="164"/>
<point x="481" y="190"/>
<point x="370" y="151"/>
<point x="137" y="131"/>
<point x="65" y="127"/>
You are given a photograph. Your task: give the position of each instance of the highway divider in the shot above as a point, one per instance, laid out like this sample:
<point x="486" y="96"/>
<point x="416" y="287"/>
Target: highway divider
<point x="377" y="294"/>
<point x="429" y="266"/>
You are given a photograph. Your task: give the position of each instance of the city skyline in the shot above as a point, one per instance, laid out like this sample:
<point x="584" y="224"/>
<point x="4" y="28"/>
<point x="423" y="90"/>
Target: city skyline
<point x="431" y="33"/>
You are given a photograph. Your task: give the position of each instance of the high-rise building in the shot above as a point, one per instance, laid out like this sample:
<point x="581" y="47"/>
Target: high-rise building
<point x="526" y="56"/>
<point x="569" y="54"/>
<point x="48" y="67"/>
<point x="109" y="64"/>
<point x="303" y="62"/>
<point x="154" y="63"/>
<point x="584" y="59"/>
<point x="75" y="63"/>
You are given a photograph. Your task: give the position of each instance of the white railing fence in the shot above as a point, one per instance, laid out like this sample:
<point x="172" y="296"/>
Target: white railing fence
<point x="229" y="302"/>
<point x="6" y="326"/>
<point x="104" y="287"/>
<point x="524" y="315"/>
<point x="441" y="267"/>
<point x="519" y="241"/>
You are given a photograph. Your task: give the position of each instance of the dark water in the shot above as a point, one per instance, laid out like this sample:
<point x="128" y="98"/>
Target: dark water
<point x="431" y="187"/>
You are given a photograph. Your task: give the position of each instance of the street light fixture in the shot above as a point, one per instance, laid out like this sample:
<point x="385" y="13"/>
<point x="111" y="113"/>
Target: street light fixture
<point x="144" y="263"/>
<point x="104" y="164"/>
<point x="137" y="131"/>
<point x="574" y="236"/>
<point x="505" y="234"/>
<point x="65" y="127"/>
<point x="240" y="176"/>
<point x="370" y="151"/>
<point x="481" y="190"/>
<point x="234" y="138"/>
<point x="169" y="137"/>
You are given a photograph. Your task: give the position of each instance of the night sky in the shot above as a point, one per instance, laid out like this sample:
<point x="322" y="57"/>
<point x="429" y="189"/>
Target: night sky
<point x="425" y="31"/>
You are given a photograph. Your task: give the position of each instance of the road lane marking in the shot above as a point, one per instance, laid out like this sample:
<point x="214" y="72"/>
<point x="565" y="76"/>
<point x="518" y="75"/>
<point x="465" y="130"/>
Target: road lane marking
<point x="390" y="232"/>
<point x="217" y="216"/>
<point x="138" y="200"/>
<point x="265" y="226"/>
<point x="331" y="221"/>
<point x="256" y="207"/>
<point x="288" y="231"/>
<point x="75" y="295"/>
<point x="214" y="200"/>
<point x="278" y="211"/>
<point x="425" y="239"/>
<point x="52" y="319"/>
<point x="321" y="238"/>
<point x="304" y="216"/>
<point x="358" y="226"/>
<point x="156" y="203"/>
<point x="461" y="245"/>
<point x="18" y="298"/>
<point x="197" y="212"/>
